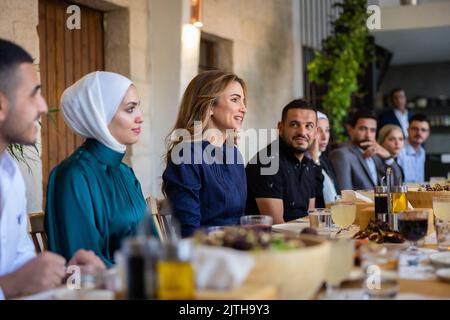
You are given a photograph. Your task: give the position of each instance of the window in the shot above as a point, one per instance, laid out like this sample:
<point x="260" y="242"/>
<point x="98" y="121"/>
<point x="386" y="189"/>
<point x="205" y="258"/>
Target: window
<point x="215" y="53"/>
<point x="313" y="93"/>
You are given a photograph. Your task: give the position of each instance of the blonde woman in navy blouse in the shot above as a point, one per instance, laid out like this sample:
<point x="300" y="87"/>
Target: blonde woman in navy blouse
<point x="205" y="178"/>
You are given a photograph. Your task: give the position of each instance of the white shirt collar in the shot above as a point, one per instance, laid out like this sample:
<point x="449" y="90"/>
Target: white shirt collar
<point x="7" y="164"/>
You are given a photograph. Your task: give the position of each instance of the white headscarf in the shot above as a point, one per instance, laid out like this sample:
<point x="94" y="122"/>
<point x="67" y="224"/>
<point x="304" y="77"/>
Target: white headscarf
<point x="90" y="104"/>
<point x="321" y="116"/>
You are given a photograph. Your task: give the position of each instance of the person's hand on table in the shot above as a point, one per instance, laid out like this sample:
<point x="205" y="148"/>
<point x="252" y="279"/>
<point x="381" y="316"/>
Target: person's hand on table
<point x="88" y="261"/>
<point x="44" y="272"/>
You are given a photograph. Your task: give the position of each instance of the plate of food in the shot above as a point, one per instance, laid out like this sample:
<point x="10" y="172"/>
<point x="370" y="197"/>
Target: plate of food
<point x="379" y="232"/>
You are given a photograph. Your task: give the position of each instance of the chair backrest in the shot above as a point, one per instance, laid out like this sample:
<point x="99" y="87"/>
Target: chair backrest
<point x="37" y="231"/>
<point x="162" y="217"/>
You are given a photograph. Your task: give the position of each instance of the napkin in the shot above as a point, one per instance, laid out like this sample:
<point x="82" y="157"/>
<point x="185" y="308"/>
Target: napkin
<point x="351" y="195"/>
<point x="221" y="268"/>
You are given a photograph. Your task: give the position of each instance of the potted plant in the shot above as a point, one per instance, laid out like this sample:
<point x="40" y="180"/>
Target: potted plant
<point x="343" y="58"/>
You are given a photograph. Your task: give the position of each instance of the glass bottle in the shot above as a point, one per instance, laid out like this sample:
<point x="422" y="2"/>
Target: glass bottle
<point x="139" y="261"/>
<point x="381" y="202"/>
<point x="175" y="272"/>
<point x="399" y="200"/>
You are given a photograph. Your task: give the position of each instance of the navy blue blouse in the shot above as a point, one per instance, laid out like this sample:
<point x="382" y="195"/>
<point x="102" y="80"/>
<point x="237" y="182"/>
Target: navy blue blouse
<point x="206" y="185"/>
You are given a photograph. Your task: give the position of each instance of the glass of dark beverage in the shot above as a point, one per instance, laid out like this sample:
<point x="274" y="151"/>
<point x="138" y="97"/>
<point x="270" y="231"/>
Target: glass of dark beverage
<point x="257" y="222"/>
<point x="413" y="225"/>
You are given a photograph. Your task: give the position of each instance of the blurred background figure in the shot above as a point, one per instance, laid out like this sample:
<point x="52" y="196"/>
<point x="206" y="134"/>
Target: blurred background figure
<point x="392" y="139"/>
<point x="359" y="163"/>
<point x="398" y="115"/>
<point x="412" y="157"/>
<point x="317" y="153"/>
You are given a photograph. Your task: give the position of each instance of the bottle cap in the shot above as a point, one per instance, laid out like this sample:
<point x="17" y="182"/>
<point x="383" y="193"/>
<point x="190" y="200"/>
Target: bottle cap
<point x="179" y="250"/>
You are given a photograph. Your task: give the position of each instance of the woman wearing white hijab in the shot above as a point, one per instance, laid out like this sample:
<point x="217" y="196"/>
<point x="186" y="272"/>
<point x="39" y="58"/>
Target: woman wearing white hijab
<point x="94" y="200"/>
<point x="316" y="152"/>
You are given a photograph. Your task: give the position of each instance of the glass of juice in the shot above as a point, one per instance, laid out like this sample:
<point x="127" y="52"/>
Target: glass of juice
<point x="340" y="264"/>
<point x="441" y="207"/>
<point x="343" y="214"/>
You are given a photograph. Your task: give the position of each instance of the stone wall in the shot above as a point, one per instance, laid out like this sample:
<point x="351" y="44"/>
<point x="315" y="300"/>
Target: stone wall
<point x="263" y="54"/>
<point x="126" y="52"/>
<point x="151" y="42"/>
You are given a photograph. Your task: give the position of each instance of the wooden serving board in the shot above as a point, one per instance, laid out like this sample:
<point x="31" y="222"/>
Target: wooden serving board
<point x="424" y="199"/>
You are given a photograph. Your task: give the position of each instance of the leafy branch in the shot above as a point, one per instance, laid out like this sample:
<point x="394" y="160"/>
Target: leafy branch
<point x="344" y="56"/>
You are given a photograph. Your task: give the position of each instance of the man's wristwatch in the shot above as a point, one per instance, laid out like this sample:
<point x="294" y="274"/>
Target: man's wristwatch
<point x="317" y="162"/>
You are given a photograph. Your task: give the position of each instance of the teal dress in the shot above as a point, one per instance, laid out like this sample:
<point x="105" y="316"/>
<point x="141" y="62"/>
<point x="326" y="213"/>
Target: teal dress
<point x="94" y="201"/>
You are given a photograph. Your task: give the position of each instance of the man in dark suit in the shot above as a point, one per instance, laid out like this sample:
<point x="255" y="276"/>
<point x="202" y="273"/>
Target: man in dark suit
<point x="398" y="115"/>
<point x="360" y="163"/>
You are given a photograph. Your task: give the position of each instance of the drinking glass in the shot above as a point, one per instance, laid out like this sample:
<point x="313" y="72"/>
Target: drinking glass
<point x="343" y="214"/>
<point x="443" y="234"/>
<point x="340" y="264"/>
<point x="380" y="268"/>
<point x="320" y="219"/>
<point x="257" y="222"/>
<point x="413" y="225"/>
<point x="441" y="207"/>
<point x="399" y="200"/>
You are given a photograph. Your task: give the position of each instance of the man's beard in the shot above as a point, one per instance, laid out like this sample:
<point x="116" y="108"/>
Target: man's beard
<point x="296" y="150"/>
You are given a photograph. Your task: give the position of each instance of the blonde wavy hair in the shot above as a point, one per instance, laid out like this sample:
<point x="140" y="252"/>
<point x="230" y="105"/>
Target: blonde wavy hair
<point x="200" y="96"/>
<point x="386" y="130"/>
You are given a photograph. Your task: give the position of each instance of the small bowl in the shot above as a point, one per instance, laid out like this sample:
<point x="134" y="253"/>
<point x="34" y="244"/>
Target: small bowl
<point x="444" y="274"/>
<point x="440" y="260"/>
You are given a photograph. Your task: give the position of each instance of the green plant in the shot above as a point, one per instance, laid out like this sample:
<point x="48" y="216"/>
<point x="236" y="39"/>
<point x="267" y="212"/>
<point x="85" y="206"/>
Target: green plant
<point x="343" y="58"/>
<point x="17" y="151"/>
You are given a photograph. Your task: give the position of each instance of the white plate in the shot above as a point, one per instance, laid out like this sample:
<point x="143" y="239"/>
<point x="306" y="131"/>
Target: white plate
<point x="444" y="274"/>
<point x="440" y="259"/>
<point x="290" y="228"/>
<point x="355" y="275"/>
<point x="68" y="294"/>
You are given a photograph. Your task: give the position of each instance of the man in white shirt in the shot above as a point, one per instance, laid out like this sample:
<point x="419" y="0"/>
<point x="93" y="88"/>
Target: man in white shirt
<point x="413" y="155"/>
<point x="21" y="105"/>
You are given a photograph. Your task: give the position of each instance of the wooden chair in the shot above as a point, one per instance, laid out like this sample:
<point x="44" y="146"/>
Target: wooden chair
<point x="37" y="230"/>
<point x="162" y="217"/>
<point x="153" y="206"/>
